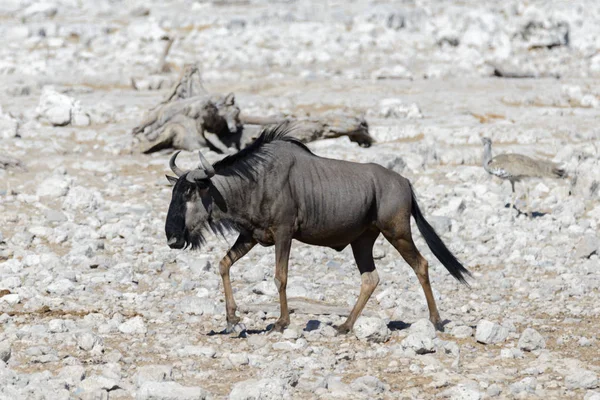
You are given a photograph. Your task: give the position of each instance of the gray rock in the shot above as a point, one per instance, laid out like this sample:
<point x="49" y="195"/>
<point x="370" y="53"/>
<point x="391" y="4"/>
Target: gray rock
<point x="238" y="359"/>
<point x="423" y="328"/>
<point x="97" y="383"/>
<point x="53" y="187"/>
<point x="526" y="385"/>
<point x="54" y="215"/>
<point x="264" y="389"/>
<point x="133" y="326"/>
<point x="368" y="384"/>
<point x="494" y="390"/>
<point x="153" y="373"/>
<point x="55" y="107"/>
<point x="60" y="287"/>
<point x="5" y="350"/>
<point x="57" y="326"/>
<point x="82" y="199"/>
<point x="87" y="341"/>
<point x="462" y="331"/>
<point x="462" y="392"/>
<point x="419" y="344"/>
<point x="592" y="396"/>
<point x="190" y="351"/>
<point x="531" y="340"/>
<point x="170" y="391"/>
<point x="71" y="375"/>
<point x="488" y="332"/>
<point x="581" y="379"/>
<point x="371" y="329"/>
<point x="9" y="126"/>
<point x="587" y="246"/>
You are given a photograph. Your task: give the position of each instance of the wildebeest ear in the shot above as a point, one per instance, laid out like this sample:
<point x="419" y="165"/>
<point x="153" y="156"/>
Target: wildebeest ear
<point x="229" y="99"/>
<point x="172" y="180"/>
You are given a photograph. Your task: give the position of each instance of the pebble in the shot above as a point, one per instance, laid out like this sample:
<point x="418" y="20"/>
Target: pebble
<point x="488" y="332"/>
<point x="134" y="326"/>
<point x="531" y="340"/>
<point x="170" y="391"/>
<point x="371" y="329"/>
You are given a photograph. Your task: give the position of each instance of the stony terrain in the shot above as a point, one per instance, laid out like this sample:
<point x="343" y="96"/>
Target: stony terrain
<point x="94" y="305"/>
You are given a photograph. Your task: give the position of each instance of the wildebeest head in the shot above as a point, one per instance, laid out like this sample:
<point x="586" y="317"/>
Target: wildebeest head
<point x="190" y="208"/>
<point x="230" y="112"/>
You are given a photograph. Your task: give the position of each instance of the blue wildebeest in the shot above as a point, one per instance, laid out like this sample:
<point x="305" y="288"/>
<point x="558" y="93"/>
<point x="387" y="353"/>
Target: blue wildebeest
<point x="277" y="190"/>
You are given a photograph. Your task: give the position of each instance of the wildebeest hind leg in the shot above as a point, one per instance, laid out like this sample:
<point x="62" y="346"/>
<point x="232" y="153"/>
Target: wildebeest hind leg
<point x="362" y="248"/>
<point x="282" y="255"/>
<point x="240" y="248"/>
<point x="407" y="249"/>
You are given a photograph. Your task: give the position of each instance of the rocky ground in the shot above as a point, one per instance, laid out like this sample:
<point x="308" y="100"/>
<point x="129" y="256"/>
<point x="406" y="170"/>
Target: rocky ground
<point x="94" y="305"/>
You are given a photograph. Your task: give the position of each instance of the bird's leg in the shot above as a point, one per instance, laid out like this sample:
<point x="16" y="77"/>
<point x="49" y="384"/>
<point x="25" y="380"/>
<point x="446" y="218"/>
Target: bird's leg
<point x="513" y="200"/>
<point x="527" y="208"/>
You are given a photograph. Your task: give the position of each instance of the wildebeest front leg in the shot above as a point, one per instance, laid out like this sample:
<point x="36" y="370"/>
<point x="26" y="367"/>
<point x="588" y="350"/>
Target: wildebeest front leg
<point x="362" y="248"/>
<point x="240" y="248"/>
<point x="282" y="255"/>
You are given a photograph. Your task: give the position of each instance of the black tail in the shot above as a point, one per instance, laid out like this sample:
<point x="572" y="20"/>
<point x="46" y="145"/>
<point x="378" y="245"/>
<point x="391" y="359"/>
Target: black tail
<point x="437" y="247"/>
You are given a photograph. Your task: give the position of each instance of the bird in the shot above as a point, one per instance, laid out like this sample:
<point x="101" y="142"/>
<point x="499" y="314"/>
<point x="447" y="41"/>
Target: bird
<point x="516" y="167"/>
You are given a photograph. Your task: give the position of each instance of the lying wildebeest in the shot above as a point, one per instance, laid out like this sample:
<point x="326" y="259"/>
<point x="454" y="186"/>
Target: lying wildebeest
<point x="277" y="190"/>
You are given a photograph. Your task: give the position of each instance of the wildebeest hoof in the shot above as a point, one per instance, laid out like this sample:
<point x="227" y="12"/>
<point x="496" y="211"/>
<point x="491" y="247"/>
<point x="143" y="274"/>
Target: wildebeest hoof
<point x="342" y="329"/>
<point x="439" y="326"/>
<point x="277" y="327"/>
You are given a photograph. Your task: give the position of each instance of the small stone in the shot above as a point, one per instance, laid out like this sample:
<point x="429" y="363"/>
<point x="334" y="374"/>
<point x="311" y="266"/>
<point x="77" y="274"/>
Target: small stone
<point x="5" y="350"/>
<point x="55" y="107"/>
<point x="423" y="328"/>
<point x="71" y="375"/>
<point x="462" y="392"/>
<point x="396" y="108"/>
<point x="96" y="383"/>
<point x="53" y="187"/>
<point x="581" y="379"/>
<point x="154" y="373"/>
<point x="526" y="385"/>
<point x="462" y="332"/>
<point x="57" y="326"/>
<point x="368" y="384"/>
<point x="531" y="340"/>
<point x="488" y="332"/>
<point x="291" y="332"/>
<point x="11" y="299"/>
<point x="87" y="341"/>
<point x="60" y="287"/>
<point x="238" y="359"/>
<point x="133" y="326"/>
<point x="494" y="390"/>
<point x="170" y="391"/>
<point x="264" y="389"/>
<point x="371" y="329"/>
<point x="419" y="344"/>
<point x="587" y="246"/>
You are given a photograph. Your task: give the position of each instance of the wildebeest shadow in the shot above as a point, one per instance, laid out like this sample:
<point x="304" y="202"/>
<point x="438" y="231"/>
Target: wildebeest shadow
<point x="243" y="334"/>
<point x="534" y="214"/>
<point x="397" y="325"/>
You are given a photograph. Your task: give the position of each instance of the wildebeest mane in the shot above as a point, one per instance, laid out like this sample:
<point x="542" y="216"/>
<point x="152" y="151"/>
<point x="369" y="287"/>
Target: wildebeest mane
<point x="245" y="162"/>
<point x="196" y="239"/>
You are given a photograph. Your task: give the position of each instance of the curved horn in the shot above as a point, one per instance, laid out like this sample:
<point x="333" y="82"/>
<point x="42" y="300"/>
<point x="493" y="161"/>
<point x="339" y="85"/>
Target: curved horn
<point x="210" y="171"/>
<point x="196" y="175"/>
<point x="176" y="170"/>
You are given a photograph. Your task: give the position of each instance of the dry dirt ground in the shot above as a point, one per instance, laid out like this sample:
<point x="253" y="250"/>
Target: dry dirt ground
<point x="93" y="304"/>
